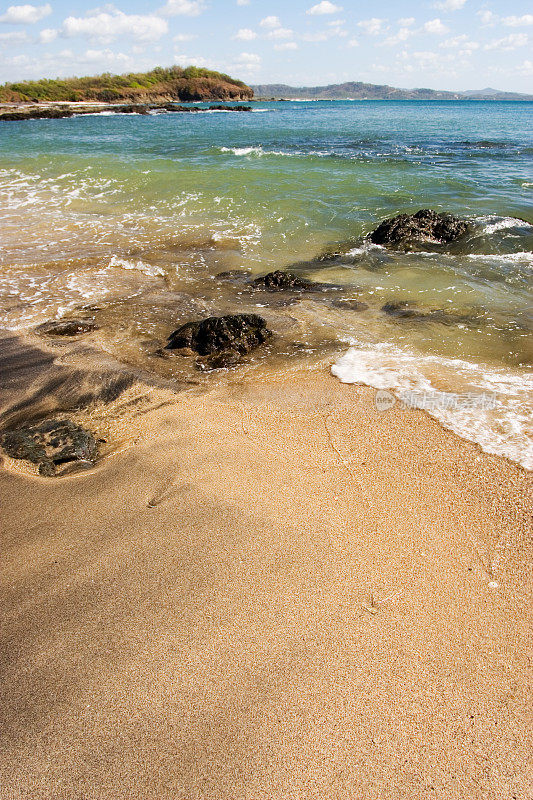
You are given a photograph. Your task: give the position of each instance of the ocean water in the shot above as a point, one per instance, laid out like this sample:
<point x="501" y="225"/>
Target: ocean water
<point x="130" y="219"/>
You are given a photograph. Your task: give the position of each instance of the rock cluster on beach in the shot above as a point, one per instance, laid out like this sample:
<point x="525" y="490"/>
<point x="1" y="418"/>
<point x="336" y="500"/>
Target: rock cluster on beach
<point x="220" y="340"/>
<point x="407" y="230"/>
<point x="51" y="444"/>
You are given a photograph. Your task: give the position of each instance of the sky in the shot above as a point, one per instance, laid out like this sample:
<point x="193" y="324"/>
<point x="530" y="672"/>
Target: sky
<point x="438" y="44"/>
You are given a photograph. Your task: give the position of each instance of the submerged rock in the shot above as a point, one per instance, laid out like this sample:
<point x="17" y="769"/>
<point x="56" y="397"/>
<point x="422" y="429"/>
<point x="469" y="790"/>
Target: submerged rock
<point x="233" y="276"/>
<point x="405" y="310"/>
<point x="402" y="310"/>
<point x="280" y="280"/>
<point x="50" y="444"/>
<point x="223" y="360"/>
<point x="66" y="327"/>
<point x="406" y="230"/>
<point x="234" y="332"/>
<point x="349" y="305"/>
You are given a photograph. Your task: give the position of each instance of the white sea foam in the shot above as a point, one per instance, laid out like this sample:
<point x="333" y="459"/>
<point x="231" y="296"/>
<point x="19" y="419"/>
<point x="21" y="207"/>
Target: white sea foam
<point x="259" y="151"/>
<point x="495" y="224"/>
<point x="502" y="426"/>
<point x="141" y="266"/>
<point x="525" y="257"/>
<point x="243" y="151"/>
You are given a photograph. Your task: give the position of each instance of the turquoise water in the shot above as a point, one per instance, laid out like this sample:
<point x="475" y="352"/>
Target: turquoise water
<point x="130" y="213"/>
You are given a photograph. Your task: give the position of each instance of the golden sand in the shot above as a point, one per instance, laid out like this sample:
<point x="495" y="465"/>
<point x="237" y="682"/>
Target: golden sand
<point x="273" y="592"/>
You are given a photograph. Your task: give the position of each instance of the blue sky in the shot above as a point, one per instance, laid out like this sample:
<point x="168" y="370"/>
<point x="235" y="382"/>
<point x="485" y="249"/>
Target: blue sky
<point x="441" y="44"/>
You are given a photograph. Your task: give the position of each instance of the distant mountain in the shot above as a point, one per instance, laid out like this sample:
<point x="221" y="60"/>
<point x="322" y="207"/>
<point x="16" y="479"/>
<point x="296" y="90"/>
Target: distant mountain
<point x="159" y="85"/>
<point x="369" y="91"/>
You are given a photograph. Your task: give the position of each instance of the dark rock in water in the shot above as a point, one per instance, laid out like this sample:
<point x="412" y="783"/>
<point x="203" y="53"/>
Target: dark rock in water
<point x="223" y="360"/>
<point x="233" y="276"/>
<point x="280" y="280"/>
<point x="130" y="109"/>
<point x="239" y="332"/>
<point x="402" y="310"/>
<point x="50" y="444"/>
<point x="283" y="281"/>
<point x="230" y="108"/>
<point x="349" y="305"/>
<point x="66" y="327"/>
<point x="407" y="230"/>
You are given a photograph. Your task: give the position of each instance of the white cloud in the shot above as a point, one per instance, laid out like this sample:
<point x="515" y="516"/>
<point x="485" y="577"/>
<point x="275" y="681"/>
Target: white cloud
<point x="449" y="5"/>
<point x="280" y="33"/>
<point x="462" y="44"/>
<point x="435" y="26"/>
<point x="245" y="35"/>
<point x="406" y="22"/>
<point x="188" y="8"/>
<point x="321" y="36"/>
<point x="270" y="22"/>
<point x="184" y="37"/>
<point x="243" y="2"/>
<point x="487" y="17"/>
<point x="47" y="35"/>
<point x="191" y="61"/>
<point x="286" y="46"/>
<point x="25" y="15"/>
<point x="372" y="26"/>
<point x="526" y="68"/>
<point x="516" y="22"/>
<point x="105" y="55"/>
<point x="402" y="36"/>
<point x="245" y="63"/>
<point x="106" y="26"/>
<point x="325" y="7"/>
<point x="14" y="36"/>
<point x="510" y="42"/>
<point x="333" y="28"/>
<point x="353" y="43"/>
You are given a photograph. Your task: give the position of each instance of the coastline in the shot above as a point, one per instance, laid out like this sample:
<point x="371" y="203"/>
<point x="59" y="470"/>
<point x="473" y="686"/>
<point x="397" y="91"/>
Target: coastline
<point x="270" y="590"/>
<point x="19" y="112"/>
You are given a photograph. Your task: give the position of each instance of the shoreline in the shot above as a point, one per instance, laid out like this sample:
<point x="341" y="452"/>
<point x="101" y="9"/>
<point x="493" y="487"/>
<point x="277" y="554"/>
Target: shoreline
<point x="18" y="112"/>
<point x="271" y="590"/>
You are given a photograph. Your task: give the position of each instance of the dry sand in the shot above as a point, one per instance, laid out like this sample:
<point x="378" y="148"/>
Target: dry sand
<point x="273" y="592"/>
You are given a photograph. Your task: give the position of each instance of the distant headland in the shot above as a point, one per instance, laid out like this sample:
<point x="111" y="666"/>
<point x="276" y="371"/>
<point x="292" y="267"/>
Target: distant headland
<point x="355" y="90"/>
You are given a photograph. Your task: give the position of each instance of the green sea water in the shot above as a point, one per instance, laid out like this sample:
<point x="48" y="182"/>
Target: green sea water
<point x="131" y="219"/>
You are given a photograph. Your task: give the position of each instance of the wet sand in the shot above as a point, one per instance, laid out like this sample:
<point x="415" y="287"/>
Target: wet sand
<point x="270" y="591"/>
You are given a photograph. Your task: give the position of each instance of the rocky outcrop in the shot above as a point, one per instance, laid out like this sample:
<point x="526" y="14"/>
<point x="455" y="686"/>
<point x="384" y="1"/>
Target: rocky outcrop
<point x="407" y="231"/>
<point x="66" y="327"/>
<point x="223" y="340"/>
<point x="51" y="444"/>
<point x="36" y="113"/>
<point x="58" y="112"/>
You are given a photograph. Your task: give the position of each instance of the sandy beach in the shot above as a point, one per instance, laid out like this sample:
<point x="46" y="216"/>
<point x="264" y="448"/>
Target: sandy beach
<point x="268" y="591"/>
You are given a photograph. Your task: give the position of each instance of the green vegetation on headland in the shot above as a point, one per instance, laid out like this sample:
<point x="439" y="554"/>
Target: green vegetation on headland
<point x="158" y="85"/>
<point x="355" y="90"/>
